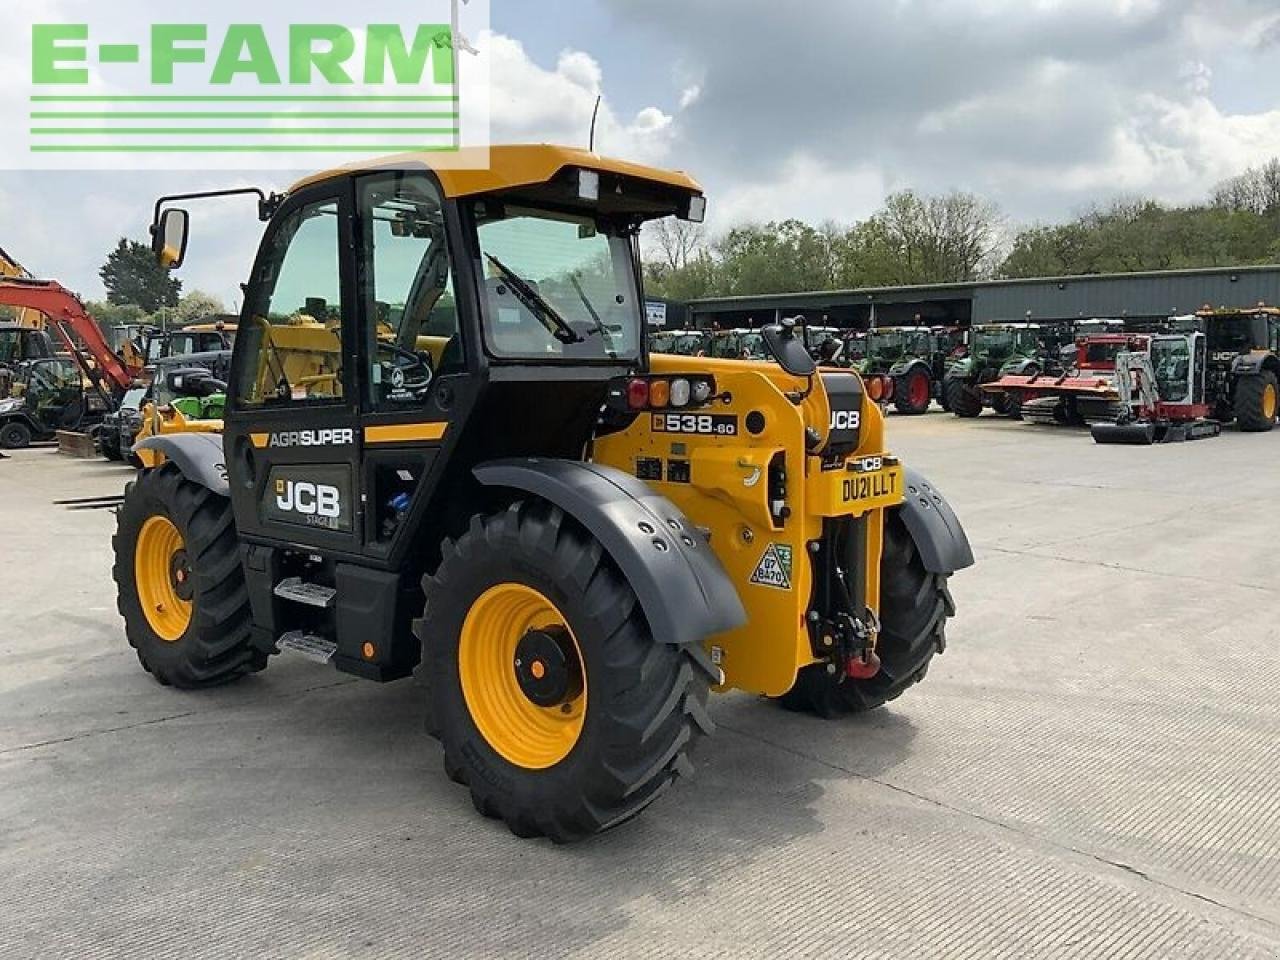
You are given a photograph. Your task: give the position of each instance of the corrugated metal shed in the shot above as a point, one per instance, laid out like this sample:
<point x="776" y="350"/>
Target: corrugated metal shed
<point x="1134" y="295"/>
<point x="1156" y="294"/>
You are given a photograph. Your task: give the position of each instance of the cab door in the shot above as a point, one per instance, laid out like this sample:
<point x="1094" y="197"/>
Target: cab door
<point x="418" y="386"/>
<point x="292" y="429"/>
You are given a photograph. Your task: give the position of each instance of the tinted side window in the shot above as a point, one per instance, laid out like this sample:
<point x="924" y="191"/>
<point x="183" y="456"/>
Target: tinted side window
<point x="295" y="329"/>
<point x="406" y="285"/>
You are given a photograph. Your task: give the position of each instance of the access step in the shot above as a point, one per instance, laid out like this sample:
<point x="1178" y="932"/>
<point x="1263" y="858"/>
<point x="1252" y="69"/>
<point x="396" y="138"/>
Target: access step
<point x="309" y="645"/>
<point x="311" y="594"/>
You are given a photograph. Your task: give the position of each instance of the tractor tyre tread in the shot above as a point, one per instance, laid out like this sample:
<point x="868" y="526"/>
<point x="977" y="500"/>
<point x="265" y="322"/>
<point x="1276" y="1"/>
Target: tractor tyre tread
<point x="902" y="395"/>
<point x="914" y="608"/>
<point x="1248" y="405"/>
<point x="216" y="648"/>
<point x="646" y="699"/>
<point x="14" y="435"/>
<point x="963" y="398"/>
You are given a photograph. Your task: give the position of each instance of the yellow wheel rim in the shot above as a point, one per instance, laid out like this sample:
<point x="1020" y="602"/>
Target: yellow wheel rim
<point x="1269" y="402"/>
<point x="163" y="578"/>
<point x="504" y="669"/>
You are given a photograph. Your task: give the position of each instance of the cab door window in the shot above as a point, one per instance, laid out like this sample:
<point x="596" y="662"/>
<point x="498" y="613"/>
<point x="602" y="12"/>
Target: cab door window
<point x="406" y="288"/>
<point x="295" y="327"/>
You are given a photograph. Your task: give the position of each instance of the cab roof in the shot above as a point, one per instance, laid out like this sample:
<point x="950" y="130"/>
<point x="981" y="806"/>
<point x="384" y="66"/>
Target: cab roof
<point x="476" y="170"/>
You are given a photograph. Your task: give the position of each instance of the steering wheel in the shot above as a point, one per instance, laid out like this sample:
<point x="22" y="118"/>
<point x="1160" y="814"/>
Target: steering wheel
<point x="407" y="371"/>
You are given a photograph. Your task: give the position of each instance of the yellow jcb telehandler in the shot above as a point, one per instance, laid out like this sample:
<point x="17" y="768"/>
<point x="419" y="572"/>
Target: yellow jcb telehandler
<point x="571" y="542"/>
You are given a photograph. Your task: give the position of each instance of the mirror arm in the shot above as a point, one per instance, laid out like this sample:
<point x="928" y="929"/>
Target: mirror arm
<point x="268" y="204"/>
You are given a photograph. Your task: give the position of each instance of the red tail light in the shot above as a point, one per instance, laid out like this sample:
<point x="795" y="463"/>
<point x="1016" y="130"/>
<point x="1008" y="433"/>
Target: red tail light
<point x="638" y="394"/>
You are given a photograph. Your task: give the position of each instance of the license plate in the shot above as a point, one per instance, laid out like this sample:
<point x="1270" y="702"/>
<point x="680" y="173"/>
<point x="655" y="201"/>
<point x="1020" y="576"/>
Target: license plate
<point x="858" y="487"/>
<point x="838" y="493"/>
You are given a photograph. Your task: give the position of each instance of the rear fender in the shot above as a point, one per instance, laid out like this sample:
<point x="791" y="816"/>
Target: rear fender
<point x="1253" y="364"/>
<point x="934" y="527"/>
<point x="901" y="371"/>
<point x="198" y="455"/>
<point x="684" y="591"/>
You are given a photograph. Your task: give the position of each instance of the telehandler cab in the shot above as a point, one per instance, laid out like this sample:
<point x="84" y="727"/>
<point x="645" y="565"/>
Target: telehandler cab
<point x="447" y="450"/>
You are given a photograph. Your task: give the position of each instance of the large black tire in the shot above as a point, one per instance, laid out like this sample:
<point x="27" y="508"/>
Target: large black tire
<point x="913" y="394"/>
<point x="1256" y="397"/>
<point x="14" y="435"/>
<point x="215" y="647"/>
<point x="914" y="607"/>
<point x="644" y="700"/>
<point x="963" y="398"/>
<point x="111" y="448"/>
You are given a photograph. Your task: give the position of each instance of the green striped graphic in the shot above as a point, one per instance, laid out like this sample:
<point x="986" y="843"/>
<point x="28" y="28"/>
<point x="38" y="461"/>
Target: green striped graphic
<point x="247" y="99"/>
<point x="240" y="131"/>
<point x="236" y="148"/>
<point x="236" y="115"/>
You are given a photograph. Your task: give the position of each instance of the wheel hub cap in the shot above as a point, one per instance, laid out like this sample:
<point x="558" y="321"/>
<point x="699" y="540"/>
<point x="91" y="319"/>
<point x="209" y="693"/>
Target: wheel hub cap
<point x="547" y="667"/>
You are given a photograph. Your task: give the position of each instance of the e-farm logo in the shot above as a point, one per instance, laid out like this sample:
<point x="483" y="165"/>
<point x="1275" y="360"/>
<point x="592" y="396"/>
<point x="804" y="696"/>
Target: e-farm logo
<point x="115" y="86"/>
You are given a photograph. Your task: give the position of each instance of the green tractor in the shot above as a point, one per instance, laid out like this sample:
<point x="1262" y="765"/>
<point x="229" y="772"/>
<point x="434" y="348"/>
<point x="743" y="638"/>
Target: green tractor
<point x="910" y="357"/>
<point x="995" y="350"/>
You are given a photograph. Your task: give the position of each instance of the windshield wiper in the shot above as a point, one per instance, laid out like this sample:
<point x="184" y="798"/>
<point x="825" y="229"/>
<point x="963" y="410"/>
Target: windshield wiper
<point x="595" y="316"/>
<point x="556" y="325"/>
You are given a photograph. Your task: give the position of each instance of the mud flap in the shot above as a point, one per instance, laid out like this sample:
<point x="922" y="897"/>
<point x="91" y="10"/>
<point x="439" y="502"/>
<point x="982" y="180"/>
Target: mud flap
<point x="684" y="590"/>
<point x="198" y="455"/>
<point x="934" y="527"/>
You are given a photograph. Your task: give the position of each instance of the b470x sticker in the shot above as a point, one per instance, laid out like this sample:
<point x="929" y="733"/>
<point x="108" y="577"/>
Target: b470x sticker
<point x="774" y="568"/>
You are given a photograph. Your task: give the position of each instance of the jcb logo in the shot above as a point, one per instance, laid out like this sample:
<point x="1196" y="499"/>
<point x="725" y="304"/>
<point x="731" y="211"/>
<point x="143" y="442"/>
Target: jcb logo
<point x="846" y="419"/>
<point x="309" y="499"/>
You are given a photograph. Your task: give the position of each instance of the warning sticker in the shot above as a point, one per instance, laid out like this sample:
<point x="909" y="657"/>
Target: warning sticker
<point x="774" y="568"/>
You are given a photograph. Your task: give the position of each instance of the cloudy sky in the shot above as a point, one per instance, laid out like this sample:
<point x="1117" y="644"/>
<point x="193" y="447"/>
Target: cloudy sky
<point x="813" y="110"/>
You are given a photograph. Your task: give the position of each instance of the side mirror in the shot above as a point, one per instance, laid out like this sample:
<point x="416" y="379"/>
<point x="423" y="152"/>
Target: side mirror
<point x="169" y="238"/>
<point x="788" y="349"/>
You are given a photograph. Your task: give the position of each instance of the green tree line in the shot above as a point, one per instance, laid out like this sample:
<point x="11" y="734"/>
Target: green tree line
<point x="959" y="237"/>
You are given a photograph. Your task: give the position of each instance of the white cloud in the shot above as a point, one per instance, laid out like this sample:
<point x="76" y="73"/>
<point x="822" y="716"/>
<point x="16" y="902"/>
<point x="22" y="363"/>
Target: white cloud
<point x="533" y="103"/>
<point x="806" y="188"/>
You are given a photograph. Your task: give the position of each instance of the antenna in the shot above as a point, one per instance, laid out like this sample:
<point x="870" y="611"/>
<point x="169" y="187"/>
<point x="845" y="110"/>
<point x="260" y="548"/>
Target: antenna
<point x="594" y="115"/>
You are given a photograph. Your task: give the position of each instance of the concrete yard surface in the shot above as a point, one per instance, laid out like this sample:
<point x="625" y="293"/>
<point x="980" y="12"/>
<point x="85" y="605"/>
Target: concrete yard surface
<point x="1091" y="770"/>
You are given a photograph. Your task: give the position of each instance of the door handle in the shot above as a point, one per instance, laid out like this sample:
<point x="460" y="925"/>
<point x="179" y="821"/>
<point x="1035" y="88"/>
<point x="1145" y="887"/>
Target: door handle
<point x="247" y="461"/>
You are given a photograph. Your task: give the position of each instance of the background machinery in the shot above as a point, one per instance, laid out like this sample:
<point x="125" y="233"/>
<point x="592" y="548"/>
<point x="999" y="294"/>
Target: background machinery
<point x="1243" y="368"/>
<point x="996" y="350"/>
<point x="1088" y="389"/>
<point x="912" y="358"/>
<point x="47" y="396"/>
<point x="1162" y="393"/>
<point x="601" y="536"/>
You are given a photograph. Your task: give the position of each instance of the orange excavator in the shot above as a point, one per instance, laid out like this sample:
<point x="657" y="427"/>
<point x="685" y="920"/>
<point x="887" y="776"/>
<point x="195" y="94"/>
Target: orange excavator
<point x="61" y="310"/>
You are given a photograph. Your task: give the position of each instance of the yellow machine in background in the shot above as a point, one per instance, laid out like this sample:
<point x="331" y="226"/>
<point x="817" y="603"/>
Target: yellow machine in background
<point x="9" y="267"/>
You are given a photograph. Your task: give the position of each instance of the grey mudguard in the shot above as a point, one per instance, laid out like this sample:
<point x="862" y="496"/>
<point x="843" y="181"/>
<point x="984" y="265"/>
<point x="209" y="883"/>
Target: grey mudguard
<point x="684" y="591"/>
<point x="198" y="455"/>
<point x="934" y="527"/>
<point x="899" y="370"/>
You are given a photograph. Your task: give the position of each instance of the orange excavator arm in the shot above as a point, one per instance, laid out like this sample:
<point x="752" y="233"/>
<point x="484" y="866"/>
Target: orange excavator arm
<point x="68" y="317"/>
